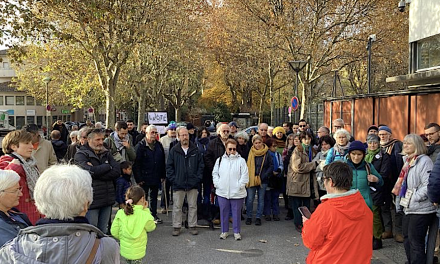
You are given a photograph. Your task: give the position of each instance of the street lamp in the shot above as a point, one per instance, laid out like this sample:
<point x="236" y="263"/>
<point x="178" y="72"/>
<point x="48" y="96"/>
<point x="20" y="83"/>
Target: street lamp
<point x="371" y="39"/>
<point x="47" y="80"/>
<point x="297" y="66"/>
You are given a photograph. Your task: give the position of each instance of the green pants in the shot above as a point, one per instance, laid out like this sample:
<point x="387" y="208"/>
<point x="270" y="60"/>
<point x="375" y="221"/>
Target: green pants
<point x="377" y="223"/>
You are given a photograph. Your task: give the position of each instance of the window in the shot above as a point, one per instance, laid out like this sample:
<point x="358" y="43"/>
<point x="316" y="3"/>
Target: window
<point x="19" y="100"/>
<point x="30" y="100"/>
<point x="1" y="100"/>
<point x="10" y="100"/>
<point x="428" y="52"/>
<point x="11" y="120"/>
<point x="6" y="66"/>
<point x="20" y="122"/>
<point x="39" y="121"/>
<point x="30" y="120"/>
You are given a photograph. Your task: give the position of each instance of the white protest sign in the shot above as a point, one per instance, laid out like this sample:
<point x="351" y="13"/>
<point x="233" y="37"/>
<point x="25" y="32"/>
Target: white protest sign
<point x="156" y="118"/>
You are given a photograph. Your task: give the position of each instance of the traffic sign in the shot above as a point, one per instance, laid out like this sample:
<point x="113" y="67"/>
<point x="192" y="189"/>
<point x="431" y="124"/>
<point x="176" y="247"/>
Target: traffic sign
<point x="295" y="103"/>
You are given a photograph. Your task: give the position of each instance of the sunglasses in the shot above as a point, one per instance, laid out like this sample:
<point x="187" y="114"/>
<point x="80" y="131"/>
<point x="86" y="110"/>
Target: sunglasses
<point x="153" y="132"/>
<point x="232" y="149"/>
<point x="302" y="126"/>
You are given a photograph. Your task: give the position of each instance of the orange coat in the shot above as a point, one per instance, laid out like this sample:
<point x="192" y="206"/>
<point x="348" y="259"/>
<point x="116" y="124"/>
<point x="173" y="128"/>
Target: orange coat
<point x="340" y="230"/>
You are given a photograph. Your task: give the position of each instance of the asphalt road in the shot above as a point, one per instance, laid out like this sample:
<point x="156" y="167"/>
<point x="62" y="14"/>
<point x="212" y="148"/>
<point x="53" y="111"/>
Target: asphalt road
<point x="272" y="242"/>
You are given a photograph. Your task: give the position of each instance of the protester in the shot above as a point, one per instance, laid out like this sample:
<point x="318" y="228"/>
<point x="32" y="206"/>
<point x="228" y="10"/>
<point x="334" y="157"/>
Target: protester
<point x="260" y="167"/>
<point x="292" y="143"/>
<point x="62" y="195"/>
<point x="412" y="194"/>
<point x="132" y="131"/>
<point x="275" y="183"/>
<point x="123" y="183"/>
<point x="11" y="219"/>
<point x="202" y="142"/>
<point x="339" y="229"/>
<point x="185" y="172"/>
<point x="59" y="146"/>
<point x="325" y="143"/>
<point x="242" y="148"/>
<point x="119" y="143"/>
<point x="287" y="128"/>
<point x="234" y="128"/>
<point x="340" y="149"/>
<point x="301" y="179"/>
<point x="18" y="149"/>
<point x="230" y="176"/>
<point x="279" y="135"/>
<point x="381" y="162"/>
<point x="74" y="147"/>
<point x="97" y="160"/>
<point x="432" y="133"/>
<point x="192" y="132"/>
<point x="43" y="152"/>
<point x="61" y="127"/>
<point x="149" y="167"/>
<point x="132" y="224"/>
<point x="392" y="147"/>
<point x="167" y="142"/>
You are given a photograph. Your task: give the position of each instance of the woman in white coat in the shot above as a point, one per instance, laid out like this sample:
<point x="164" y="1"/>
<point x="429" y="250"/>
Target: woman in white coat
<point x="230" y="176"/>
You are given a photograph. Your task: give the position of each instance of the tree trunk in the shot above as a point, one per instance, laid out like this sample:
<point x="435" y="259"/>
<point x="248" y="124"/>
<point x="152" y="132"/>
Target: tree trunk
<point x="303" y="101"/>
<point x="272" y="103"/>
<point x="110" y="108"/>
<point x="141" y="110"/>
<point x="178" y="113"/>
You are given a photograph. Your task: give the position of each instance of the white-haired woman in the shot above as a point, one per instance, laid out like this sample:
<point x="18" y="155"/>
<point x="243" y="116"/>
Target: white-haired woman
<point x="242" y="148"/>
<point x="62" y="193"/>
<point x="411" y="190"/>
<point x="340" y="149"/>
<point x="11" y="220"/>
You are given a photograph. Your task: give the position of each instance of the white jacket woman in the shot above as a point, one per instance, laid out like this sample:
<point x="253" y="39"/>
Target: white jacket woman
<point x="230" y="176"/>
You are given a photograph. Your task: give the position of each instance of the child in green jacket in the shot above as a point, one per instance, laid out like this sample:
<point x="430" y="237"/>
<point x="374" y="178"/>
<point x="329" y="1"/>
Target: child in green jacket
<point x="131" y="225"/>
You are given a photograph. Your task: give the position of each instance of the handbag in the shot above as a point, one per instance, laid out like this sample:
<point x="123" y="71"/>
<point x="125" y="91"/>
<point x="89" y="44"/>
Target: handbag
<point x="258" y="177"/>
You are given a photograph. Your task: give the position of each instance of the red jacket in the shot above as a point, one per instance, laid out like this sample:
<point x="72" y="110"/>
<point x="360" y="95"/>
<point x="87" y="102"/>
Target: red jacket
<point x="340" y="231"/>
<point x="26" y="205"/>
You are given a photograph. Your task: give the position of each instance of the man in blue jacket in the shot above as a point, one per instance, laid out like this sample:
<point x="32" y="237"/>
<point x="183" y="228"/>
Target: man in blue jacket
<point x="185" y="172"/>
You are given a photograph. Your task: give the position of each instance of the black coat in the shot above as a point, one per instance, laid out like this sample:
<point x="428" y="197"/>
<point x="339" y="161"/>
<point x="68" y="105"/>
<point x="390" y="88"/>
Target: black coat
<point x="381" y="163"/>
<point x="149" y="166"/>
<point x="215" y="150"/>
<point x="63" y="131"/>
<point x="267" y="169"/>
<point x="185" y="172"/>
<point x="104" y="171"/>
<point x="60" y="148"/>
<point x="434" y="182"/>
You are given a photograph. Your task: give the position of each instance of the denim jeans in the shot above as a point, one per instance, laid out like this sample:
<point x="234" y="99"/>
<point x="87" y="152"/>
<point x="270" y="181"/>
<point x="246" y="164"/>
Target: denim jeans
<point x="153" y="197"/>
<point x="271" y="202"/>
<point x="99" y="217"/>
<point x="250" y="200"/>
<point x="296" y="202"/>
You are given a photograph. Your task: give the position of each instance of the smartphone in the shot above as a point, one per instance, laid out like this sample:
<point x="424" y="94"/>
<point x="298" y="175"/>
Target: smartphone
<point x="305" y="212"/>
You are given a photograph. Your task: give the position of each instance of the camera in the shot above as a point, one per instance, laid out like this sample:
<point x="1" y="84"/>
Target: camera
<point x="401" y="6"/>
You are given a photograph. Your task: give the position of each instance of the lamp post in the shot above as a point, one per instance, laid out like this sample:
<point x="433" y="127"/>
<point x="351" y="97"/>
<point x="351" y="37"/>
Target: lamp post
<point x="47" y="80"/>
<point x="297" y="66"/>
<point x="371" y="39"/>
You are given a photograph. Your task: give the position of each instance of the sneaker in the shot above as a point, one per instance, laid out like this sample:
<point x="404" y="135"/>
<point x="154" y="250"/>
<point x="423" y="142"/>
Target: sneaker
<point x="176" y="231"/>
<point x="268" y="218"/>
<point x="276" y="218"/>
<point x="157" y="220"/>
<point x="249" y="221"/>
<point x="193" y="231"/>
<point x="216" y="221"/>
<point x="237" y="236"/>
<point x="258" y="222"/>
<point x="224" y="235"/>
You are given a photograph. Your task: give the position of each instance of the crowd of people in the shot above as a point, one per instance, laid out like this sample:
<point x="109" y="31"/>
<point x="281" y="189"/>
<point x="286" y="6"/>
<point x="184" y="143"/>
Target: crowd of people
<point x="359" y="193"/>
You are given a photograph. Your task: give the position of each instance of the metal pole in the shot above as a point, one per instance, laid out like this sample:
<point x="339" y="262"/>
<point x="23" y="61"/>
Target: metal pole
<point x="47" y="103"/>
<point x="369" y="65"/>
<point x="296" y="94"/>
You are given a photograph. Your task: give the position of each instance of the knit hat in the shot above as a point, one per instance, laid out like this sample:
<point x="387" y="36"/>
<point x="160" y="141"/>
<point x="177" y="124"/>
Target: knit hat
<point x="356" y="145"/>
<point x="190" y="126"/>
<point x="172" y="126"/>
<point x="387" y="129"/>
<point x="233" y="123"/>
<point x="372" y="127"/>
<point x="278" y="129"/>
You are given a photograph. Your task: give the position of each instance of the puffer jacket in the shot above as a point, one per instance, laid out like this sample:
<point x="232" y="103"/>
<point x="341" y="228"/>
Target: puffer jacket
<point x="230" y="176"/>
<point x="185" y="171"/>
<point x="131" y="231"/>
<point x="434" y="182"/>
<point x="301" y="177"/>
<point x="334" y="155"/>
<point x="320" y="158"/>
<point x="360" y="180"/>
<point x="417" y="180"/>
<point x="104" y="171"/>
<point x="59" y="243"/>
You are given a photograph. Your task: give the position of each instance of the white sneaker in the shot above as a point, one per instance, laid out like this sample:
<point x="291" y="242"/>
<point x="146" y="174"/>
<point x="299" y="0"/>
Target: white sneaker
<point x="224" y="235"/>
<point x="237" y="236"/>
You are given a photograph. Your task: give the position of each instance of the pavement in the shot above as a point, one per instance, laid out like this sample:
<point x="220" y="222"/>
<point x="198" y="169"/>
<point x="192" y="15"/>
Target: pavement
<point x="272" y="242"/>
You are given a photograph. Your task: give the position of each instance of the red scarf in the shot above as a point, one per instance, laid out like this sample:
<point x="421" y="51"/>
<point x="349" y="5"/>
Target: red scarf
<point x="400" y="186"/>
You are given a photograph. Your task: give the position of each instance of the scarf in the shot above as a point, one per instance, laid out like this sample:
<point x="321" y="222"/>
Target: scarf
<point x="370" y="155"/>
<point x="401" y="186"/>
<point x="281" y="143"/>
<point x="31" y="170"/>
<point x="341" y="149"/>
<point x="308" y="151"/>
<point x="251" y="163"/>
<point x="388" y="147"/>
<point x="118" y="141"/>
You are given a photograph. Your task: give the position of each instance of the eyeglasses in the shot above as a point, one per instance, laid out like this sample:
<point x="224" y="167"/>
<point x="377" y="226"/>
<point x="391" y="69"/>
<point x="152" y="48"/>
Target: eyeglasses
<point x="225" y="131"/>
<point x="372" y="142"/>
<point x="337" y="126"/>
<point x="19" y="189"/>
<point x="232" y="149"/>
<point x="431" y="134"/>
<point x="153" y="132"/>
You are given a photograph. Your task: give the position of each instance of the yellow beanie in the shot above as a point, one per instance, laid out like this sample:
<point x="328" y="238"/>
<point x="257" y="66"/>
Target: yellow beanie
<point x="278" y="129"/>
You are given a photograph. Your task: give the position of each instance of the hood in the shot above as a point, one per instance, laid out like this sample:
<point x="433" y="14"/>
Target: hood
<point x="231" y="157"/>
<point x="134" y="226"/>
<point x="348" y="203"/>
<point x="57" y="143"/>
